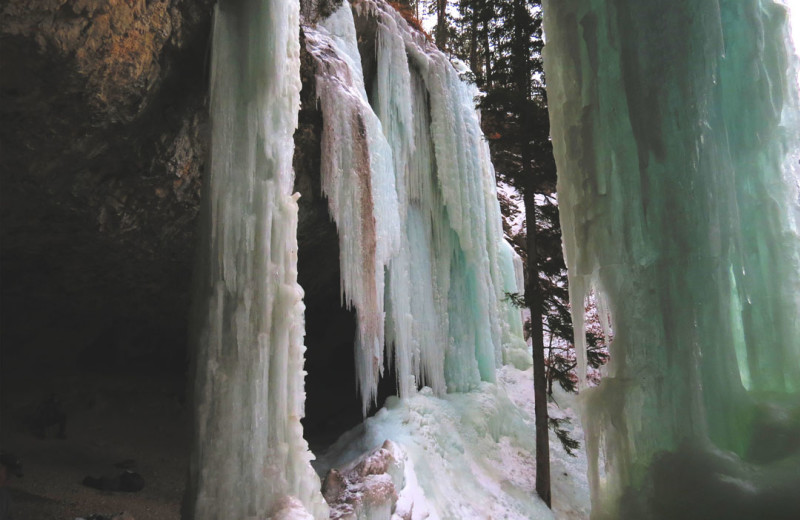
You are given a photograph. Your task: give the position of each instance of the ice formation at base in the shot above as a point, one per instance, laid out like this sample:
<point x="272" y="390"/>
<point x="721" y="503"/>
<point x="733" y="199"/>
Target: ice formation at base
<point x="411" y="188"/>
<point x="675" y="132"/>
<point x="249" y="457"/>
<point x="460" y="456"/>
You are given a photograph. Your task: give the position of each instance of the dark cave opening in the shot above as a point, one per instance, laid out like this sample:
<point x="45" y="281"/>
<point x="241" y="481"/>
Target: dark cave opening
<point x="333" y="403"/>
<point x="92" y="360"/>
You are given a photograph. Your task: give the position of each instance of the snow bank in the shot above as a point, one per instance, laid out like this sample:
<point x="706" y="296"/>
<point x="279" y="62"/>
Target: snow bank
<point x="471" y="455"/>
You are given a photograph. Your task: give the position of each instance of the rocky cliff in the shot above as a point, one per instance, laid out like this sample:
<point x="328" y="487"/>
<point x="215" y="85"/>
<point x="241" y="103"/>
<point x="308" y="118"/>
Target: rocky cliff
<point x="103" y="108"/>
<point x="102" y="151"/>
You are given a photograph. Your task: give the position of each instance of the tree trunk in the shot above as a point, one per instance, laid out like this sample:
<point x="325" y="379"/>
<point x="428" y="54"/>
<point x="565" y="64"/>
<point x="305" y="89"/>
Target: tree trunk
<point x="533" y="296"/>
<point x="533" y="291"/>
<point x="473" y="50"/>
<point x="441" y="24"/>
<point x="550" y="366"/>
<point x="487" y="49"/>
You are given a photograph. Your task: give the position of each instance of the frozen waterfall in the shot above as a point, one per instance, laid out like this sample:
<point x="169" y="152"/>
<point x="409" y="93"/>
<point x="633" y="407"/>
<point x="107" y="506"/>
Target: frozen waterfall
<point x="407" y="175"/>
<point x="411" y="188"/>
<point x="676" y="135"/>
<point x="249" y="457"/>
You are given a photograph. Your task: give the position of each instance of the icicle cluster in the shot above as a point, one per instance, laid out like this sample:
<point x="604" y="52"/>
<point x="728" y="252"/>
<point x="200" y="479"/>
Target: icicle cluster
<point x="675" y="134"/>
<point x="249" y="457"/>
<point x="411" y="188"/>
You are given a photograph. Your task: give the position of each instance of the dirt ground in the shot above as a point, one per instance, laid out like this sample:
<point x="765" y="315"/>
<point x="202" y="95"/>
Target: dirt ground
<point x="110" y="418"/>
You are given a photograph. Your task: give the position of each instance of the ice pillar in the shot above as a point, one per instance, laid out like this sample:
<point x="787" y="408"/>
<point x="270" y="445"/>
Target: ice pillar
<point x="675" y="132"/>
<point x="249" y="458"/>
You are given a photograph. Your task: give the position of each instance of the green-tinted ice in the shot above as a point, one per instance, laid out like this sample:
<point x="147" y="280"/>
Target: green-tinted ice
<point x="675" y="131"/>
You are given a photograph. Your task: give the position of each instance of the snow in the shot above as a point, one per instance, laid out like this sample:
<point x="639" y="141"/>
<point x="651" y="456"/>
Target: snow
<point x="472" y="454"/>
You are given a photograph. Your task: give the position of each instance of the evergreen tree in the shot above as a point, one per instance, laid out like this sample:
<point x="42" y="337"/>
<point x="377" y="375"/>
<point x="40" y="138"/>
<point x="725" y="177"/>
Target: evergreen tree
<point x="502" y="42"/>
<point x="517" y="98"/>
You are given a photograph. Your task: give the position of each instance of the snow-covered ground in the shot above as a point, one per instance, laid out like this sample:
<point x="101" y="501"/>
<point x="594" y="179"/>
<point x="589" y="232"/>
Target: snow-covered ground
<point x="569" y="482"/>
<point x="472" y="455"/>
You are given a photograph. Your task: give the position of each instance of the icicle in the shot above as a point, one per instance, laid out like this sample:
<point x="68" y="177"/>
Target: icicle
<point x="515" y="349"/>
<point x="249" y="457"/>
<point x="358" y="179"/>
<point x="433" y="289"/>
<point x="462" y="201"/>
<point x="672" y="140"/>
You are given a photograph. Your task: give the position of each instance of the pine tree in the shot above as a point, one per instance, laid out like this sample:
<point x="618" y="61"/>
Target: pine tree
<point x="518" y="97"/>
<point x="502" y="42"/>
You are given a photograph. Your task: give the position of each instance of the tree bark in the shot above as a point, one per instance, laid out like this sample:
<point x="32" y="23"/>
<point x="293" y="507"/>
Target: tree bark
<point x="533" y="296"/>
<point x="533" y="292"/>
<point x="550" y="365"/>
<point x="487" y="50"/>
<point x="441" y="24"/>
<point x="473" y="49"/>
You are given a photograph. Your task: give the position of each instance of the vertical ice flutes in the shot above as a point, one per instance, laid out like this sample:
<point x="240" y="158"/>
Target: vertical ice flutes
<point x="675" y="131"/>
<point x="249" y="457"/>
<point x="410" y="185"/>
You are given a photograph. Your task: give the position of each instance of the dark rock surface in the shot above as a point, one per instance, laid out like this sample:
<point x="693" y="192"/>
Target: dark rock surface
<point x="101" y="152"/>
<point x="103" y="146"/>
<point x="127" y="481"/>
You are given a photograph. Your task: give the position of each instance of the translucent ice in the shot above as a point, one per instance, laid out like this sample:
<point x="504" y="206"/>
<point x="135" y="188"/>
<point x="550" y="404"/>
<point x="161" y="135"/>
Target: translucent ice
<point x="409" y="184"/>
<point x="675" y="133"/>
<point x="412" y="191"/>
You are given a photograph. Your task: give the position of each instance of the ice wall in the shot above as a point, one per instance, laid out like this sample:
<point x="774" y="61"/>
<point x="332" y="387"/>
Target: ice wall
<point x="249" y="458"/>
<point x="411" y="188"/>
<point x="675" y="132"/>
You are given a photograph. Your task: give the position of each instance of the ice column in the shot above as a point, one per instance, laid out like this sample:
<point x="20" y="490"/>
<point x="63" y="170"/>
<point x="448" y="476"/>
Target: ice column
<point x="410" y="186"/>
<point x="675" y="133"/>
<point x="249" y="457"/>
<point x="515" y="348"/>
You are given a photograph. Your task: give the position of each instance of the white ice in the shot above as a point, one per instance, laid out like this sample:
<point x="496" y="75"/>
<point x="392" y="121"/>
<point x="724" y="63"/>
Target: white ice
<point x="471" y="455"/>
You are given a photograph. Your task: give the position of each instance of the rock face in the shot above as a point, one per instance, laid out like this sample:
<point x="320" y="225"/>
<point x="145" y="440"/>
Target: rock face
<point x="103" y="108"/>
<point x="102" y="151"/>
<point x="114" y="48"/>
<point x="368" y="488"/>
<point x="103" y="101"/>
